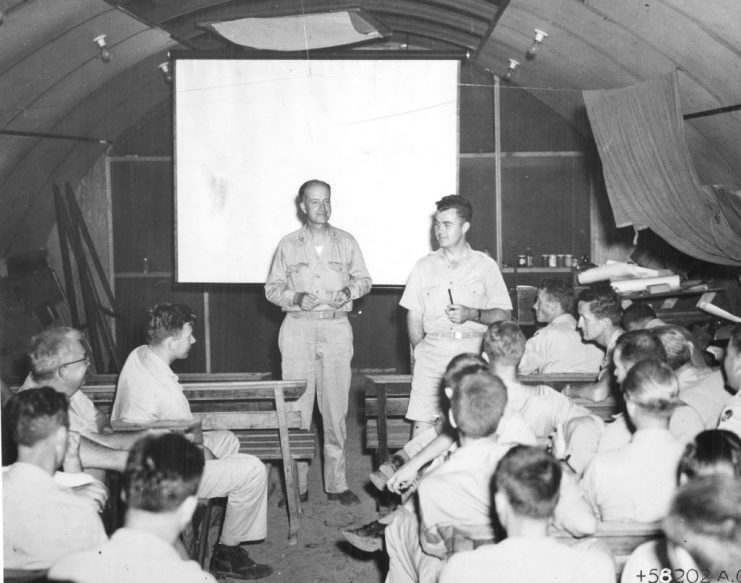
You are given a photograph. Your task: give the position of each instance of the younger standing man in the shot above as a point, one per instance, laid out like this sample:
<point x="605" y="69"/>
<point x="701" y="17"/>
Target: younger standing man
<point x="149" y="391"/>
<point x="452" y="295"/>
<point x="159" y="485"/>
<point x="316" y="273"/>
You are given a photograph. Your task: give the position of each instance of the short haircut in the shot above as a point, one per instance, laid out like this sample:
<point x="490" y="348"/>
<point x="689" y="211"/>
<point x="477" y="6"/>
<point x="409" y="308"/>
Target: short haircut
<point x="677" y="343"/>
<point x="457" y="202"/>
<point x="161" y="472"/>
<point x="50" y="349"/>
<point x="477" y="404"/>
<point x="461" y="365"/>
<point x="652" y="386"/>
<point x="34" y="414"/>
<point x="603" y="303"/>
<point x="637" y="345"/>
<point x="637" y="312"/>
<point x="735" y="338"/>
<point x="560" y="290"/>
<point x="705" y="519"/>
<point x="713" y="451"/>
<point x="530" y="478"/>
<point x="309" y="183"/>
<point x="166" y="320"/>
<point x="504" y="343"/>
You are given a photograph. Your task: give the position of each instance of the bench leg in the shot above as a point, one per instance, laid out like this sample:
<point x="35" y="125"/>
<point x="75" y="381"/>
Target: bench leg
<point x="289" y="469"/>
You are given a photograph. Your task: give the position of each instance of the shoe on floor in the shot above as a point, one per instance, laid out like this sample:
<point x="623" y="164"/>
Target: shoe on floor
<point x="346" y="498"/>
<point x="368" y="538"/>
<point x="235" y="562"/>
<point x="303" y="498"/>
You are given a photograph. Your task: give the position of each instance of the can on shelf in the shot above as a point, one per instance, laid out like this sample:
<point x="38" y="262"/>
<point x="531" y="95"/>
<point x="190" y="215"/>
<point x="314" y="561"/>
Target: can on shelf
<point x="560" y="260"/>
<point x="568" y="260"/>
<point x="521" y="261"/>
<point x="544" y="260"/>
<point x="552" y="261"/>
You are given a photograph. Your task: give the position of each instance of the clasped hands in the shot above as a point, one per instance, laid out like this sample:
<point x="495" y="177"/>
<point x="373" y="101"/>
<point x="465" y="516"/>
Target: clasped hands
<point x="308" y="301"/>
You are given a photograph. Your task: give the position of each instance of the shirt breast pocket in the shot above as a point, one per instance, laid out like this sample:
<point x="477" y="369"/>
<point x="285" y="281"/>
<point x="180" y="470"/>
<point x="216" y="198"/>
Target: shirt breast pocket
<point x="295" y="275"/>
<point x="434" y="300"/>
<point x="472" y="295"/>
<point x="338" y="275"/>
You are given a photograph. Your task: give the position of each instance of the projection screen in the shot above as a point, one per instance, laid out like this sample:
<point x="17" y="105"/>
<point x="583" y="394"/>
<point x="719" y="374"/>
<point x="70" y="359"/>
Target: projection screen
<point x="383" y="133"/>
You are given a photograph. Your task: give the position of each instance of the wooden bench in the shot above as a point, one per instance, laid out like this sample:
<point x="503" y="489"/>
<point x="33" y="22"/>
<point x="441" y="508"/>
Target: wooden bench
<point x="269" y="433"/>
<point x="387" y="399"/>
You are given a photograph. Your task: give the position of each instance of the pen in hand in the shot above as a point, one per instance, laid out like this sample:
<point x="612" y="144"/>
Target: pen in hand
<point x="450" y="295"/>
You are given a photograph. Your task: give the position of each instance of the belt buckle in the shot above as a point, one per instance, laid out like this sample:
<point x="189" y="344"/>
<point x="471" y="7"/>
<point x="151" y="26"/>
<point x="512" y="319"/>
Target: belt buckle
<point x="457" y="334"/>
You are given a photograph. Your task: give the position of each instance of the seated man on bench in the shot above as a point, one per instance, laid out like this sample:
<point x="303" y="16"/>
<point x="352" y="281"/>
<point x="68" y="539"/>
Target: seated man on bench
<point x="149" y="391"/>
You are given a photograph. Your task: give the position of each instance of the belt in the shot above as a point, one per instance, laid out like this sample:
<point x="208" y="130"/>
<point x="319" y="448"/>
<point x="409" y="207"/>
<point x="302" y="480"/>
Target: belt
<point x="321" y="315"/>
<point x="455" y="335"/>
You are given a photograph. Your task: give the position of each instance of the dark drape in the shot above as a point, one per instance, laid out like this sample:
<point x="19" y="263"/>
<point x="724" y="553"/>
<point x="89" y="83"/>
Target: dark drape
<point x="650" y="178"/>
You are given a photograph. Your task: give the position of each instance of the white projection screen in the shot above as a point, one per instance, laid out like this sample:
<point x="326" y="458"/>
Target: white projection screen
<point x="383" y="133"/>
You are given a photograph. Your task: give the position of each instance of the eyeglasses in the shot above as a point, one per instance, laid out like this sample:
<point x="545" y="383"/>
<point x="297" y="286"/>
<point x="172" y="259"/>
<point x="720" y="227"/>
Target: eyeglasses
<point x="85" y="359"/>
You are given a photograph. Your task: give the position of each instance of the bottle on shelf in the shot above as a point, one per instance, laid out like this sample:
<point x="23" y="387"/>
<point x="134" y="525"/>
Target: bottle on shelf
<point x="528" y="257"/>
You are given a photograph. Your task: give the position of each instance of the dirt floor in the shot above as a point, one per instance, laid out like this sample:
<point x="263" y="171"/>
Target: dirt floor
<point x="322" y="554"/>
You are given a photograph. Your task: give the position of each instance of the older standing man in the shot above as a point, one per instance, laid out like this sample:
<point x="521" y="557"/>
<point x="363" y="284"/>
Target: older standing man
<point x="316" y="273"/>
<point x="452" y="295"/>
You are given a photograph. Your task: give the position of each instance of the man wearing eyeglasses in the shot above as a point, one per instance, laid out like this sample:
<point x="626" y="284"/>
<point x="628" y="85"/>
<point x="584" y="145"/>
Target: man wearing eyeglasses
<point x="59" y="359"/>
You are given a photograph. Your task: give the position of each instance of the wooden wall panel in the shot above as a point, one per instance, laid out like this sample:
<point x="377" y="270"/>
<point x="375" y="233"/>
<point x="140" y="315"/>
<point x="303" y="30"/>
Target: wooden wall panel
<point x="136" y="294"/>
<point x="142" y="215"/>
<point x="545" y="206"/>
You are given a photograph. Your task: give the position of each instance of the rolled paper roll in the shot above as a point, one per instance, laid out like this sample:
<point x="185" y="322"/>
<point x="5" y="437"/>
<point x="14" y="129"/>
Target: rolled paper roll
<point x="716" y="311"/>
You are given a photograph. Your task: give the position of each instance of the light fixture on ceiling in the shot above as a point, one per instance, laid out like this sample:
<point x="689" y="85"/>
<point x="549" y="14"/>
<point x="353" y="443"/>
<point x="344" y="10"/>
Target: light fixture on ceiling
<point x="511" y="70"/>
<point x="105" y="52"/>
<point x="165" y="68"/>
<point x="534" y="49"/>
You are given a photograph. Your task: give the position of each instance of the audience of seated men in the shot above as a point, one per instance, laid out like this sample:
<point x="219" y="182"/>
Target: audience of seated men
<point x="587" y="437"/>
<point x="637" y="481"/>
<point x="640" y="316"/>
<point x="41" y="520"/>
<point x="148" y="391"/>
<point x="712" y="452"/>
<point x="542" y="407"/>
<point x="558" y="346"/>
<point x="730" y="417"/>
<point x="427" y="450"/>
<point x="701" y="389"/>
<point x="159" y="487"/>
<point x="453" y="498"/>
<point x="525" y="490"/>
<point x="599" y="322"/>
<point x="59" y="359"/>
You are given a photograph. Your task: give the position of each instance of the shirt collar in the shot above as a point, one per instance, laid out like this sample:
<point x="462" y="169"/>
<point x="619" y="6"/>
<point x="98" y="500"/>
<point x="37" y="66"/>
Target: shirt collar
<point x="157" y="362"/>
<point x="440" y="252"/>
<point x="304" y="233"/>
<point x="564" y="319"/>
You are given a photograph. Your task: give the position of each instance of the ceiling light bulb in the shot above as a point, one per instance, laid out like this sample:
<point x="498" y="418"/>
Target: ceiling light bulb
<point x="537" y="43"/>
<point x="165" y="68"/>
<point x="511" y="70"/>
<point x="105" y="52"/>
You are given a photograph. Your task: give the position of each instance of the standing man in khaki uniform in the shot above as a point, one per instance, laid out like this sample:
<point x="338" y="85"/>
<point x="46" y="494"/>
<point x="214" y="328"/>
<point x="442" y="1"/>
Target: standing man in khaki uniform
<point x="316" y="273"/>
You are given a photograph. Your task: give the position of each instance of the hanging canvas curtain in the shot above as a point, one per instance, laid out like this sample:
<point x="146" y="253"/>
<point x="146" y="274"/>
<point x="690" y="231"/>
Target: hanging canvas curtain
<point x="650" y="178"/>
